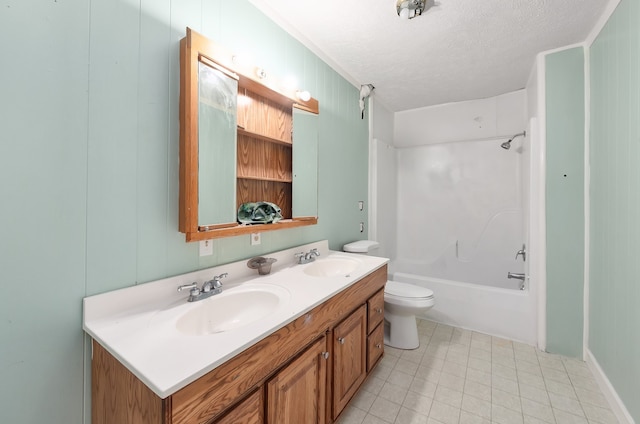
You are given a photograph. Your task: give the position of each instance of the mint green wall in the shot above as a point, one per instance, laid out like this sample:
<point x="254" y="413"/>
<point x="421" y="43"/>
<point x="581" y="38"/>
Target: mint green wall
<point x="614" y="287"/>
<point x="89" y="171"/>
<point x="564" y="93"/>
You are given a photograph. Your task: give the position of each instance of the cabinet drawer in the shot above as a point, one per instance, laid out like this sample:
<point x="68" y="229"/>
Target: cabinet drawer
<point x="375" y="346"/>
<point x="249" y="411"/>
<point x="375" y="308"/>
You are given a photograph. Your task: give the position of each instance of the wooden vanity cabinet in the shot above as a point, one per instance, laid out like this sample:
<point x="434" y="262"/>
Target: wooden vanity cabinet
<point x="295" y="375"/>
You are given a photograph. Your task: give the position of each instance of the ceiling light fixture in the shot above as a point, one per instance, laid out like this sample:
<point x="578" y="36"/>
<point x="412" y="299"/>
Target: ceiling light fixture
<point x="409" y="9"/>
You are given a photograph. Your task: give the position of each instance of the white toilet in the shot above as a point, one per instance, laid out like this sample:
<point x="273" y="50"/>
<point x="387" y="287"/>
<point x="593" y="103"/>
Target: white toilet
<point x="402" y="302"/>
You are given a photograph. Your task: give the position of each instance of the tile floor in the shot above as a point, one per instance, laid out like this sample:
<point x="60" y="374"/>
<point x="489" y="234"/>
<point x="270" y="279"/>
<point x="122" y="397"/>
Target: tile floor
<point x="462" y="377"/>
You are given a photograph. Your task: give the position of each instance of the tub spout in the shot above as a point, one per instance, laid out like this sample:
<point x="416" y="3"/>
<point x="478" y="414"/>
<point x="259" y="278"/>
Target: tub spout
<point x="516" y="275"/>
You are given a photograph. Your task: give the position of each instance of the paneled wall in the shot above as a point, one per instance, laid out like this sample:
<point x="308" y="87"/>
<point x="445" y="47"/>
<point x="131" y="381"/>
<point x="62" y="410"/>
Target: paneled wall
<point x="614" y="288"/>
<point x="565" y="200"/>
<point x="89" y="169"/>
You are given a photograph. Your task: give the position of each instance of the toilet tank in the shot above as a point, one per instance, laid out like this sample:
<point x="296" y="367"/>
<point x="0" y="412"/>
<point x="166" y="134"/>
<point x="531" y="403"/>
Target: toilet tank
<point x="367" y="247"/>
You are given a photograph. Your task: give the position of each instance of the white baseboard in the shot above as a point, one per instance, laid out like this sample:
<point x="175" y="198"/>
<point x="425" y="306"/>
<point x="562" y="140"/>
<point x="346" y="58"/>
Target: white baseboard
<point x="618" y="408"/>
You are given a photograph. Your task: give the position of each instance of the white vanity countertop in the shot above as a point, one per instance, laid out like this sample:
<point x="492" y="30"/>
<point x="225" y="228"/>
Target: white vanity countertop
<point x="137" y="325"/>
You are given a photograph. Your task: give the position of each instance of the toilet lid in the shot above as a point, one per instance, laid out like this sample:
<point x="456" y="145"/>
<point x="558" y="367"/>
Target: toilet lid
<point x="395" y="288"/>
<point x="360" y="246"/>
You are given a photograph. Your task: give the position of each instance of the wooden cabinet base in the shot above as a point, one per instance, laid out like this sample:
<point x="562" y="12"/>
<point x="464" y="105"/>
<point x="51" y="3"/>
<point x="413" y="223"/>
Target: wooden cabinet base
<point x="118" y="396"/>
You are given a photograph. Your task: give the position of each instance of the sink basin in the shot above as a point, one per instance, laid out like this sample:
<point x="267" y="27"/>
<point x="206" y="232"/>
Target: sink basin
<point x="231" y="309"/>
<point x="332" y="267"/>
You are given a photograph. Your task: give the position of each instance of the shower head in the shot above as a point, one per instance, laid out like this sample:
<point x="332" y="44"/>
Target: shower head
<point x="507" y="144"/>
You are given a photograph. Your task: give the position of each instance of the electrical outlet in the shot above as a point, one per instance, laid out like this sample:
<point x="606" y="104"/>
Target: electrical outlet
<point x="255" y="239"/>
<point x="206" y="248"/>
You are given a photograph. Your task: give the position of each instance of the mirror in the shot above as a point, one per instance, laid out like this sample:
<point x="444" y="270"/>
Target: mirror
<point x="305" y="163"/>
<point x="217" y="122"/>
<point x="243" y="139"/>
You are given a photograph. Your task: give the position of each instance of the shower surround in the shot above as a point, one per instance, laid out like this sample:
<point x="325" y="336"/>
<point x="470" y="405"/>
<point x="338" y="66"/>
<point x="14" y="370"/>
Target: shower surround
<point x="462" y="213"/>
<point x="459" y="212"/>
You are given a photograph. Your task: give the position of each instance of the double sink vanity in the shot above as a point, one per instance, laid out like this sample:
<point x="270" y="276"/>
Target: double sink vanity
<point x="228" y="345"/>
<point x="292" y="346"/>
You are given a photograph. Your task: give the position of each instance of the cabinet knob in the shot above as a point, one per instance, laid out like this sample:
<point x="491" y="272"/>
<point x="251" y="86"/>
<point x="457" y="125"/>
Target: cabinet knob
<point x="379" y="345"/>
<point x="325" y="355"/>
<point x="379" y="310"/>
<point x="340" y="340"/>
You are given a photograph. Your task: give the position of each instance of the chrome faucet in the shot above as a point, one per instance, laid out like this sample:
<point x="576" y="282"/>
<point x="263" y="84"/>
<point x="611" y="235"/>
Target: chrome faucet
<point x="305" y="258"/>
<point x="214" y="284"/>
<point x="516" y="275"/>
<point x="522" y="277"/>
<point x="209" y="288"/>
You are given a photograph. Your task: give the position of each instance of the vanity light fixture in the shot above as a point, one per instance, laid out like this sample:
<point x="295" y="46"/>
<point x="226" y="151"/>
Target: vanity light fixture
<point x="409" y="9"/>
<point x="261" y="73"/>
<point x="303" y="95"/>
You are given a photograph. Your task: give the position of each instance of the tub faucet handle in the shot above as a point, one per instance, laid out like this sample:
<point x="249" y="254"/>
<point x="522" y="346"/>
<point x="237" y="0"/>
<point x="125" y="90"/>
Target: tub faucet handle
<point x="522" y="252"/>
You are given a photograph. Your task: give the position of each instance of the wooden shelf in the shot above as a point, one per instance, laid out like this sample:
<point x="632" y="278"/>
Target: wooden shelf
<point x="234" y="229"/>
<point x="242" y="131"/>
<point x="258" y="114"/>
<point x="266" y="161"/>
<point x="265" y="154"/>
<point x="277" y="180"/>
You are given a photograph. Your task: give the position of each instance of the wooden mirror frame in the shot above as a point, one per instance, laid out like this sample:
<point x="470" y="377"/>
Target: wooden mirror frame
<point x="193" y="49"/>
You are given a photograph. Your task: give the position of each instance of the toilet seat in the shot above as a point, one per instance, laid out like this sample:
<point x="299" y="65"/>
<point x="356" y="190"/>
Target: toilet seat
<point x="407" y="291"/>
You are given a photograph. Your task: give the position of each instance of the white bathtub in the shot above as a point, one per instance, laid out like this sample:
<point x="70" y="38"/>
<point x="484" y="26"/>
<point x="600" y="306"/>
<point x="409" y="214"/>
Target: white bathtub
<point x="500" y="312"/>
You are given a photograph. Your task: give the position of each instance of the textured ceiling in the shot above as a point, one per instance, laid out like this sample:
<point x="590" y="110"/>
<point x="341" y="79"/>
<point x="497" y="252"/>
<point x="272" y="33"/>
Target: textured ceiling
<point x="457" y="50"/>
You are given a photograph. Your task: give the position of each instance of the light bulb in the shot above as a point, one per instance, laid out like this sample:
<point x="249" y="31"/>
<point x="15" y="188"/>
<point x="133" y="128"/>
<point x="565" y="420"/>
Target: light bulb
<point x="305" y="96"/>
<point x="261" y="73"/>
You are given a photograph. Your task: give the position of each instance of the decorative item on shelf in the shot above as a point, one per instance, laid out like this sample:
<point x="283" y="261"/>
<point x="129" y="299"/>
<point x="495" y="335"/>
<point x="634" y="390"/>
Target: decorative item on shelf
<point x="263" y="265"/>
<point x="259" y="213"/>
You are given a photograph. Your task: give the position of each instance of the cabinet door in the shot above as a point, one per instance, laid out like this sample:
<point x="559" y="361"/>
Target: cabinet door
<point x="297" y="394"/>
<point x="249" y="411"/>
<point x="349" y="358"/>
